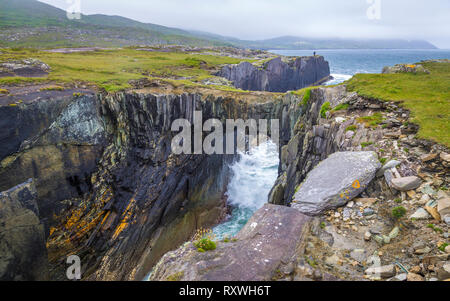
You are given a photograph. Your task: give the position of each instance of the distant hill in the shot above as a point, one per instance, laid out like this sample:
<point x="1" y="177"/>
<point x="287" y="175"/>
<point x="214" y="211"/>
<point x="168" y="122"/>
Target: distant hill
<point x="295" y="43"/>
<point x="50" y="27"/>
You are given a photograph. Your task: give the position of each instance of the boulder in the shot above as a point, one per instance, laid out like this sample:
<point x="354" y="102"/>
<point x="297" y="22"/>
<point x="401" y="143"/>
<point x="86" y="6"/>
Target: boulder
<point x="23" y="254"/>
<point x="336" y="181"/>
<point x="268" y="240"/>
<point x="406" y="183"/>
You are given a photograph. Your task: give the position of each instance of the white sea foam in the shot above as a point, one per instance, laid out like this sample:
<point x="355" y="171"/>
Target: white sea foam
<point x="253" y="177"/>
<point x="338" y="78"/>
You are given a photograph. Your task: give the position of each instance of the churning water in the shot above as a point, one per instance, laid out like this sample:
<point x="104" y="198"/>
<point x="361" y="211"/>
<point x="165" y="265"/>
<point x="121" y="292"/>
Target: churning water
<point x="253" y="176"/>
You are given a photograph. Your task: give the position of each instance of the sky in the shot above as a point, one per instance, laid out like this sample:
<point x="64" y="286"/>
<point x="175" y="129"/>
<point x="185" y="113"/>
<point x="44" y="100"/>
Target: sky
<point x="261" y="19"/>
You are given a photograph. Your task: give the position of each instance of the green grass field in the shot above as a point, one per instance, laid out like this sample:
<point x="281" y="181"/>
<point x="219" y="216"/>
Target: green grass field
<point x="427" y="96"/>
<point x="113" y="69"/>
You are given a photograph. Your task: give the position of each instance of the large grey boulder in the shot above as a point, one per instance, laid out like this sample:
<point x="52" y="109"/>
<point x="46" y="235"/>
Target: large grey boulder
<point x="269" y="240"/>
<point x="23" y="254"/>
<point x="336" y="181"/>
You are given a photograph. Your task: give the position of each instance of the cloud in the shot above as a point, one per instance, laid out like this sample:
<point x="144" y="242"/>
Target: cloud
<point x="260" y="19"/>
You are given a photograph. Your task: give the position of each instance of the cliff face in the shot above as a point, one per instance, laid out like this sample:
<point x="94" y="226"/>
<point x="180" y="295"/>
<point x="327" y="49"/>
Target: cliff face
<point x="23" y="254"/>
<point x="109" y="188"/>
<point x="278" y="75"/>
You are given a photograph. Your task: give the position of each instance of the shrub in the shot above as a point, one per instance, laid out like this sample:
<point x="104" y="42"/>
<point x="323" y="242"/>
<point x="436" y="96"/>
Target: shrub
<point x="325" y="108"/>
<point x="398" y="212"/>
<point x="383" y="160"/>
<point x="351" y="128"/>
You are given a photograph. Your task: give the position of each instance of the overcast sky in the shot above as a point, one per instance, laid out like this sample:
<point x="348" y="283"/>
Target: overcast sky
<point x="260" y="19"/>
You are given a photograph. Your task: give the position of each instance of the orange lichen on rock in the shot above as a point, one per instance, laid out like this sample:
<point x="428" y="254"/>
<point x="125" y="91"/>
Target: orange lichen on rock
<point x="125" y="220"/>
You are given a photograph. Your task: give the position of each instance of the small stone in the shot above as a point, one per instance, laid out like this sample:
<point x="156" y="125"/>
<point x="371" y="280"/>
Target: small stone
<point x="414" y="277"/>
<point x="445" y="157"/>
<point x="401" y="277"/>
<point x="447" y="249"/>
<point x="423" y="251"/>
<point x="434" y="213"/>
<point x="447" y="219"/>
<point x="443" y="206"/>
<point x="366" y="201"/>
<point x="415" y="270"/>
<point x="429" y="157"/>
<point x="444" y="272"/>
<point x="332" y="260"/>
<point x="368" y="212"/>
<point x="350" y="204"/>
<point x="387" y="166"/>
<point x="359" y="255"/>
<point x="406" y="183"/>
<point x="420" y="214"/>
<point x="386" y="271"/>
<point x="367" y="236"/>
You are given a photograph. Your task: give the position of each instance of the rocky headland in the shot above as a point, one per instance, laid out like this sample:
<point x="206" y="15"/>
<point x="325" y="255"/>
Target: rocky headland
<point x="105" y="185"/>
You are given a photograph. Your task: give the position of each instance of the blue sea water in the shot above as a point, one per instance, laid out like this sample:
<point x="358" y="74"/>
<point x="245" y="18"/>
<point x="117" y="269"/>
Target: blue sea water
<point x="344" y="63"/>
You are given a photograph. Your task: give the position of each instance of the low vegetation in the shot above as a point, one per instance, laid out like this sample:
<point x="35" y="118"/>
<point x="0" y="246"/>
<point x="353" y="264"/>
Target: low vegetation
<point x="324" y="109"/>
<point x="372" y="120"/>
<point x="398" y="212"/>
<point x="427" y="96"/>
<point x="204" y="240"/>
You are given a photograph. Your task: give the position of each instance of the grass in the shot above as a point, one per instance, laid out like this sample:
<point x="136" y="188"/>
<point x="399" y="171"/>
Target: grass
<point x="366" y="144"/>
<point x="4" y="91"/>
<point x="427" y="96"/>
<point x="443" y="246"/>
<point x="113" y="69"/>
<point x="436" y="229"/>
<point x="351" y="128"/>
<point x="324" y="109"/>
<point x="341" y="107"/>
<point x="372" y="120"/>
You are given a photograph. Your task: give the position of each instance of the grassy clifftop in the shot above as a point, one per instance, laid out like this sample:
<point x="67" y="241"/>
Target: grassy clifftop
<point x="113" y="69"/>
<point x="427" y="96"/>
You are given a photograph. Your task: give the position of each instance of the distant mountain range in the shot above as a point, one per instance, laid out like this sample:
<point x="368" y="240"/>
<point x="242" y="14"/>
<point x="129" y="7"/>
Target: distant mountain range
<point x="30" y="23"/>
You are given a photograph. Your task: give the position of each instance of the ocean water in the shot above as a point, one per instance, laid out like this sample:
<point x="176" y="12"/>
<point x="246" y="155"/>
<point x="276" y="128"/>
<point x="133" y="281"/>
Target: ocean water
<point x="347" y="62"/>
<point x="253" y="176"/>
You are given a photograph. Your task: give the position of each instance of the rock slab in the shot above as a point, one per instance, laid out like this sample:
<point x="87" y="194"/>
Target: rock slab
<point x="336" y="181"/>
<point x="269" y="239"/>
